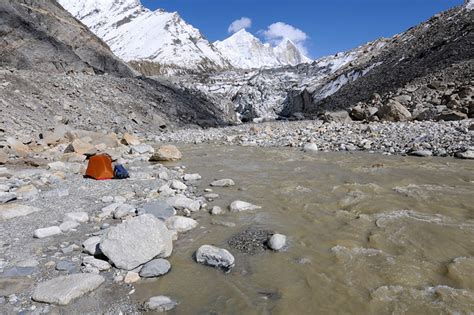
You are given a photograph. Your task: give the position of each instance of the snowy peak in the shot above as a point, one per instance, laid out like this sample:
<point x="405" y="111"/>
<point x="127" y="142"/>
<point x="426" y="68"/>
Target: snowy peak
<point x="246" y="51"/>
<point x="138" y="34"/>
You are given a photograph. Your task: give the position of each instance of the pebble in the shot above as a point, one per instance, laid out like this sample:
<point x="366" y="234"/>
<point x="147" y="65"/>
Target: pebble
<point x="131" y="277"/>
<point x="47" y="232"/>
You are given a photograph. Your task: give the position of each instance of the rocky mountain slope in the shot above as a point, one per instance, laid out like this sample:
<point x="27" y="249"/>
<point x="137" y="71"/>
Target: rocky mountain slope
<point x="53" y="70"/>
<point x="158" y="41"/>
<point x="245" y="51"/>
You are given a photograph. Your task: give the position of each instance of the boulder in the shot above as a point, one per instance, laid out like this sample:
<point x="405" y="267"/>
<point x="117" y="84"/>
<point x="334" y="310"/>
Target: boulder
<point x="450" y="115"/>
<point x="341" y="116"/>
<point x="155" y="268"/>
<point x="181" y="224"/>
<point x="160" y="304"/>
<point x="129" y="139"/>
<point x="394" y="111"/>
<point x="226" y="182"/>
<point x="166" y="153"/>
<point x="216" y="257"/>
<point x="310" y="147"/>
<point x="137" y="241"/>
<point x="80" y="147"/>
<point x="239" y="206"/>
<point x="277" y="242"/>
<point x="64" y="289"/>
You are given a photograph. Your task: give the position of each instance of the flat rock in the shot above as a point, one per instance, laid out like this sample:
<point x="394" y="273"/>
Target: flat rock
<point x="177" y="185"/>
<point x="160" y="304"/>
<point x="239" y="206"/>
<point x="66" y="265"/>
<point x="137" y="241"/>
<point x="129" y="139"/>
<point x="10" y="286"/>
<point x="100" y="264"/>
<point x="47" y="232"/>
<point x="10" y="211"/>
<point x="159" y="209"/>
<point x="124" y="210"/>
<point x="68" y="226"/>
<point x="191" y="177"/>
<point x="182" y="202"/>
<point x="181" y="224"/>
<point x="421" y="153"/>
<point x="166" y="153"/>
<point x="467" y="155"/>
<point x="155" y="268"/>
<point x="81" y="217"/>
<point x="64" y="289"/>
<point x="216" y="257"/>
<point x="226" y="182"/>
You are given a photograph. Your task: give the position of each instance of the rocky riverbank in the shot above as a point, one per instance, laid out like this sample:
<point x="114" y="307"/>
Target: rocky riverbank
<point x="425" y="138"/>
<point x="75" y="245"/>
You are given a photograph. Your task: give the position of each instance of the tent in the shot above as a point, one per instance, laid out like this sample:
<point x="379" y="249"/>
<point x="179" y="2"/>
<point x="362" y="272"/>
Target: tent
<point x="100" y="167"/>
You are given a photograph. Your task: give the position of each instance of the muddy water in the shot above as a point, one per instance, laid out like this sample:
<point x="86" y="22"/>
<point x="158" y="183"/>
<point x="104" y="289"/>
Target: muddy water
<point x="368" y="234"/>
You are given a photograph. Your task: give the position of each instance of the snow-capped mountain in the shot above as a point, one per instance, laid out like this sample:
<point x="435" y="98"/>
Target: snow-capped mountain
<point x="245" y="51"/>
<point x="135" y="33"/>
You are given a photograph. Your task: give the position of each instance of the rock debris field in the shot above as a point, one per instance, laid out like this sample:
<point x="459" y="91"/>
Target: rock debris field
<point x="77" y="245"/>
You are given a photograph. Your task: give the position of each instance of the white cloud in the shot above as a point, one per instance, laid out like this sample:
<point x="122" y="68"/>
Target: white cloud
<point x="279" y="31"/>
<point x="239" y="24"/>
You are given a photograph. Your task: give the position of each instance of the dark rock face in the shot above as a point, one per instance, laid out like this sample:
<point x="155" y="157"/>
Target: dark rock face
<point x="41" y="35"/>
<point x="415" y="67"/>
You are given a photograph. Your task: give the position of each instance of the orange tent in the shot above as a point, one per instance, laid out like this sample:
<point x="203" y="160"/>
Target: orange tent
<point x="100" y="167"/>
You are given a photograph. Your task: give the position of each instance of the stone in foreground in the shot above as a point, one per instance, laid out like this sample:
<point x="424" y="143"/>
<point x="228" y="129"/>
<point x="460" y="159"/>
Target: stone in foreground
<point x="166" y="153"/>
<point x="215" y="257"/>
<point x="137" y="241"/>
<point x="181" y="224"/>
<point x="226" y="182"/>
<point x="239" y="206"/>
<point x="47" y="232"/>
<point x="159" y="209"/>
<point x="160" y="304"/>
<point x="277" y="242"/>
<point x="155" y="268"/>
<point x="62" y="290"/>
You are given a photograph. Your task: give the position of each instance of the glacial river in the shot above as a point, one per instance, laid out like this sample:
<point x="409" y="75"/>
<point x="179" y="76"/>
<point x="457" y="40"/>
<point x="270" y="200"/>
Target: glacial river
<point x="368" y="234"/>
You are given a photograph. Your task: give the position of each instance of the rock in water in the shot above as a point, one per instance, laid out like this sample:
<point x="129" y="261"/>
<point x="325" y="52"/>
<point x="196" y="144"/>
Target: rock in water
<point x="310" y="147"/>
<point x="239" y="206"/>
<point x="181" y="224"/>
<point x="159" y="209"/>
<point x="155" y="268"/>
<point x="166" y="153"/>
<point x="62" y="290"/>
<point x="216" y="257"/>
<point x="160" y="304"/>
<point x="277" y="242"/>
<point x="137" y="241"/>
<point x="226" y="182"/>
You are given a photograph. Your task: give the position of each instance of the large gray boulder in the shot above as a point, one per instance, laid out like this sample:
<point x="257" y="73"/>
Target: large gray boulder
<point x="394" y="111"/>
<point x="62" y="290"/>
<point x="136" y="242"/>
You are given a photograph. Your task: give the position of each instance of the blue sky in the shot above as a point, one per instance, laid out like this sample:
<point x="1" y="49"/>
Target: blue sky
<point x="330" y="25"/>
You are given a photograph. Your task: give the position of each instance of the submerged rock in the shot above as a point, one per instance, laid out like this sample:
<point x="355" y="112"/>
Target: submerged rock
<point x="215" y="257"/>
<point x="239" y="206"/>
<point x="62" y="290"/>
<point x="226" y="182"/>
<point x="181" y="224"/>
<point x="137" y="241"/>
<point x="159" y="209"/>
<point x="250" y="241"/>
<point x="160" y="304"/>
